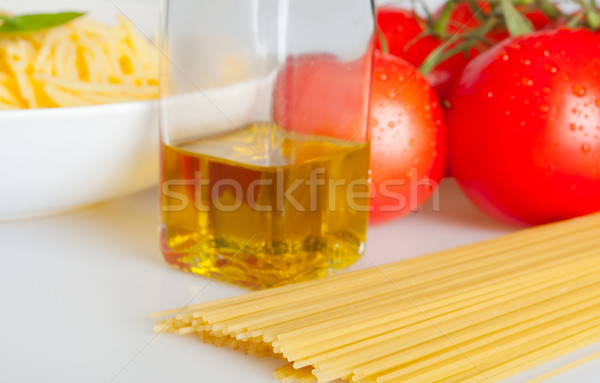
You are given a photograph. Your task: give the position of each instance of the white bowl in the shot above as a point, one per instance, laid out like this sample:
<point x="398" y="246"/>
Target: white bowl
<point x="61" y="158"/>
<point x="56" y="159"/>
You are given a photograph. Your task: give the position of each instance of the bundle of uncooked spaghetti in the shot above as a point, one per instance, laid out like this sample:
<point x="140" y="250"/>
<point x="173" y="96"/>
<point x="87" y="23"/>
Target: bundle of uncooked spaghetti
<point x="82" y="62"/>
<point x="479" y="312"/>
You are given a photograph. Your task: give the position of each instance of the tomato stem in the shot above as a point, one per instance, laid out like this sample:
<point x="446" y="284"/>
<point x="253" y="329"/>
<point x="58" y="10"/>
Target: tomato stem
<point x="509" y="15"/>
<point x="475" y="10"/>
<point x="548" y="8"/>
<point x="469" y="40"/>
<point x="383" y="44"/>
<point x="441" y="25"/>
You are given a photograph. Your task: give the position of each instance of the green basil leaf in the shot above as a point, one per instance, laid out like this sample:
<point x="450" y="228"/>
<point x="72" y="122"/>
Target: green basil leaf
<point x="35" y="22"/>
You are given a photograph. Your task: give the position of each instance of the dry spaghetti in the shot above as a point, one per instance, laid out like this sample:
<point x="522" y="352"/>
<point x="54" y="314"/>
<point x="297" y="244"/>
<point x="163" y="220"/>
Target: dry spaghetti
<point x="479" y="312"/>
<point x="82" y="62"/>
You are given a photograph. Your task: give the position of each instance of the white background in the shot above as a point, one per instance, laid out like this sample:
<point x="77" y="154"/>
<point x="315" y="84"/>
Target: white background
<point x="76" y="289"/>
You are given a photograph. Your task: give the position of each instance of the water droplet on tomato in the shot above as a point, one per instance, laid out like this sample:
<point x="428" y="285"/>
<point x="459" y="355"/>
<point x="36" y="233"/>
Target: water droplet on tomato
<point x="383" y="77"/>
<point x="546" y="90"/>
<point x="585" y="148"/>
<point x="507" y="112"/>
<point x="427" y="107"/>
<point x="572" y="127"/>
<point x="505" y="57"/>
<point x="552" y="167"/>
<point x="578" y="90"/>
<point x="401" y="78"/>
<point x="416" y="160"/>
<point x="551" y="68"/>
<point x="546" y="53"/>
<point x="544" y="108"/>
<point x="526" y="62"/>
<point x="490" y="94"/>
<point x="373" y="123"/>
<point x="400" y="29"/>
<point x="391" y="93"/>
<point x="526" y="81"/>
<point x="522" y="123"/>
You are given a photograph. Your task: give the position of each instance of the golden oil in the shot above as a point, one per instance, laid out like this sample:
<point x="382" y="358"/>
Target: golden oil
<point x="262" y="207"/>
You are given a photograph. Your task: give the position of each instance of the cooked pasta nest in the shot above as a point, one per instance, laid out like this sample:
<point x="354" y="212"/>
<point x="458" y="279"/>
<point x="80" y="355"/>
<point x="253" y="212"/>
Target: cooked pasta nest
<point x="83" y="62"/>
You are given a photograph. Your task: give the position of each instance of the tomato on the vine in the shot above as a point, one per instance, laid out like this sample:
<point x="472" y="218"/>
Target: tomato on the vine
<point x="463" y="19"/>
<point x="524" y="127"/>
<point x="405" y="33"/>
<point x="403" y="30"/>
<point x="408" y="138"/>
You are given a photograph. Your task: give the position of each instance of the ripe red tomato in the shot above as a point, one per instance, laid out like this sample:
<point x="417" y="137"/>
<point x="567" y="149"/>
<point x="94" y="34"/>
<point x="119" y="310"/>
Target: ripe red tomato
<point x="401" y="28"/>
<point x="524" y="127"/>
<point x="408" y="138"/>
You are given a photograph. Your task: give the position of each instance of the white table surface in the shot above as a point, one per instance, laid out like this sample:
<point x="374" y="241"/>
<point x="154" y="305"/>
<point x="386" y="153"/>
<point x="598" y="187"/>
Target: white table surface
<point x="76" y="290"/>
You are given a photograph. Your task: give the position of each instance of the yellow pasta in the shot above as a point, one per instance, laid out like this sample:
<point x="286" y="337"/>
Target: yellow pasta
<point x="479" y="312"/>
<point x="79" y="63"/>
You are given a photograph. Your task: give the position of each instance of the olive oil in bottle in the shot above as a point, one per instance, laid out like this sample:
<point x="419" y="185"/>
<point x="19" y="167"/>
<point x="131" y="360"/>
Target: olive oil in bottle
<point x="262" y="207"/>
